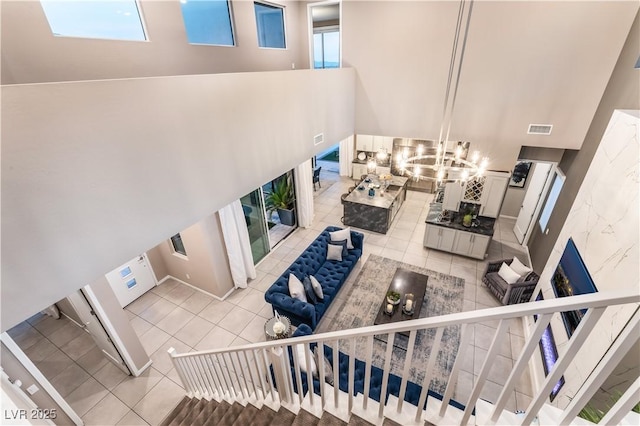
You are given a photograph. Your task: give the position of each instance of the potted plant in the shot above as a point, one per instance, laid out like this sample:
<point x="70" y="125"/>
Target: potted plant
<point x="281" y="200"/>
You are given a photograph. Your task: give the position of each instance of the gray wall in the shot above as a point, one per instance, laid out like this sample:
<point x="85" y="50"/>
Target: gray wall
<point x="96" y="172"/>
<point x="622" y="92"/>
<point x="28" y="44"/>
<point x="16" y="371"/>
<point x="515" y="196"/>
<point x="525" y="62"/>
<point x="206" y="264"/>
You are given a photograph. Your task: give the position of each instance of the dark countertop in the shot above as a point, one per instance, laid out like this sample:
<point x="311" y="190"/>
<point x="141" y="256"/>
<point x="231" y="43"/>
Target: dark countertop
<point x="482" y="225"/>
<point x="383" y="201"/>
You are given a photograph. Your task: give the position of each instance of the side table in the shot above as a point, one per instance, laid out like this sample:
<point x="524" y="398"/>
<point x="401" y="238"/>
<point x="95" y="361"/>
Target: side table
<point x="272" y="335"/>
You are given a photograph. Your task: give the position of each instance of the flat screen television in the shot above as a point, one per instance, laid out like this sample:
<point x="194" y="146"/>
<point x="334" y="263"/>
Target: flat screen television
<point x="572" y="278"/>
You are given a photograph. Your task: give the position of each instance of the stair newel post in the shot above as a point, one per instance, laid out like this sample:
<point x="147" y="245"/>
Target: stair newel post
<point x="174" y="361"/>
<point x="277" y="355"/>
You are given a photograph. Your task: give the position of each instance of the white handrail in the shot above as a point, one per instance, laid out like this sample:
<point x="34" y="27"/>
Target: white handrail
<point x="199" y="376"/>
<point x="585" y="301"/>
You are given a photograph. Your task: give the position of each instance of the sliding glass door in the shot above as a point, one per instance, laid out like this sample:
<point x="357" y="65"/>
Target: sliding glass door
<point x="253" y="207"/>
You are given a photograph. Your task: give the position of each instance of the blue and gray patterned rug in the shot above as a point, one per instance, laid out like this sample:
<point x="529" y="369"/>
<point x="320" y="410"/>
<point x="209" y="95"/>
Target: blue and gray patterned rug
<point x="360" y="305"/>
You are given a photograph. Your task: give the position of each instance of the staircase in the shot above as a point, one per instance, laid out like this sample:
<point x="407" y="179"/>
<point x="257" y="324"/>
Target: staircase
<point x="258" y="384"/>
<point x="191" y="411"/>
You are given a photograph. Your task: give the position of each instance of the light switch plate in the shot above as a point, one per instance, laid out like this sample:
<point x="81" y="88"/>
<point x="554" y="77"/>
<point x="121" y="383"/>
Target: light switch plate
<point x="32" y="389"/>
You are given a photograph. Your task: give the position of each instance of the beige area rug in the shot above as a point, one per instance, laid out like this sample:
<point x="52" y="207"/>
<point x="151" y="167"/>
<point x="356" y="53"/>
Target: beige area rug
<point x="444" y="295"/>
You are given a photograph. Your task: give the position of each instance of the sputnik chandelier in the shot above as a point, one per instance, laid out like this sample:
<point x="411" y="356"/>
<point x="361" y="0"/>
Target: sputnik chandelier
<point x="449" y="162"/>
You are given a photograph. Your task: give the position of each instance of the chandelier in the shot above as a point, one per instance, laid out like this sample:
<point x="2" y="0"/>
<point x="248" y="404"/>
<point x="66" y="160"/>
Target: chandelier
<point x="449" y="162"/>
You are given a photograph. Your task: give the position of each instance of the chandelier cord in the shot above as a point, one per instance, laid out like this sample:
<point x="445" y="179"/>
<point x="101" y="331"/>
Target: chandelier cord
<point x="454" y="49"/>
<point x="464" y="46"/>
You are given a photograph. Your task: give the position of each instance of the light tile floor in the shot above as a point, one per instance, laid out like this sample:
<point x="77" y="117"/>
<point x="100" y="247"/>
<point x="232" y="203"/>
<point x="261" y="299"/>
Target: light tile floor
<point x="174" y="315"/>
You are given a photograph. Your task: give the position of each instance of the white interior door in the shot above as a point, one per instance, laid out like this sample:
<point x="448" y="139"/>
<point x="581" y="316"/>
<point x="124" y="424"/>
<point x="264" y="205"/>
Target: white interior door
<point x="131" y="280"/>
<point x="538" y="185"/>
<point x="92" y="324"/>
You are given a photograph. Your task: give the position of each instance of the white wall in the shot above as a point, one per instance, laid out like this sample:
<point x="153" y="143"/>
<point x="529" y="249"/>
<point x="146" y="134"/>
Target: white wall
<point x="96" y="172"/>
<point x="603" y="223"/>
<point x="525" y="62"/>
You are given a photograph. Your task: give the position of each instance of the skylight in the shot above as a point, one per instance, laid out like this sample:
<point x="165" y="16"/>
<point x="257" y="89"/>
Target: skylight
<point x="106" y="19"/>
<point x="208" y="22"/>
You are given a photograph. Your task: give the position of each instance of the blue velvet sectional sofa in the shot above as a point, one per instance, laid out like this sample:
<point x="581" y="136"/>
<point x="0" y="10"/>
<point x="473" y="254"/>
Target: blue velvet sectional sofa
<point x="330" y="274"/>
<point x="412" y="394"/>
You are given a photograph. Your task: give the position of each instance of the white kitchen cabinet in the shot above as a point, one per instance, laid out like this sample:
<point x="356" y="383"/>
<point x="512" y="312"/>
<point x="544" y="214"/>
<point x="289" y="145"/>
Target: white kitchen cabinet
<point x="439" y="238"/>
<point x="358" y="170"/>
<point x="364" y="143"/>
<point x="495" y="186"/>
<point x="452" y="196"/>
<point x="471" y="244"/>
<point x="382" y="142"/>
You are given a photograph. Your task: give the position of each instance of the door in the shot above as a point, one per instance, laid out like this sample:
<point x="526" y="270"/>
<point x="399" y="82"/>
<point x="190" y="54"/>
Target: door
<point x="131" y="280"/>
<point x="254" y="216"/>
<point x="91" y="323"/>
<point x="538" y="184"/>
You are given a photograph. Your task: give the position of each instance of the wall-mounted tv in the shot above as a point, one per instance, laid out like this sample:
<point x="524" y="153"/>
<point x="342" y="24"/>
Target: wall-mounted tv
<point x="572" y="278"/>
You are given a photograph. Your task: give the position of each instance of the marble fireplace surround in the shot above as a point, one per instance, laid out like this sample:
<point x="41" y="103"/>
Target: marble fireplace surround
<point x="604" y="224"/>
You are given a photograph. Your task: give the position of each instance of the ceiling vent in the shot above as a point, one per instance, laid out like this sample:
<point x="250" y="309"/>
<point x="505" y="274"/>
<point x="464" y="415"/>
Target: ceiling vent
<point x="318" y="139"/>
<point x="540" y="129"/>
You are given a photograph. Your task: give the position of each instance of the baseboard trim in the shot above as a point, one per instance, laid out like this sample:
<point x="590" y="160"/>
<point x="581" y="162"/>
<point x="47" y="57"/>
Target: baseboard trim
<point x="196" y="288"/>
<point x="138" y="372"/>
<point x="508" y="217"/>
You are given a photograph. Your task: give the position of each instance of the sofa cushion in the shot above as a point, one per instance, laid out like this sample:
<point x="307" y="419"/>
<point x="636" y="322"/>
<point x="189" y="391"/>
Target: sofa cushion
<point x="497" y="281"/>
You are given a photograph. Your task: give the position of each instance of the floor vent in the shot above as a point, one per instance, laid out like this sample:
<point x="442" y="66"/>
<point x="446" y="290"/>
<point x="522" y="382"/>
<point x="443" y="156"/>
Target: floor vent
<point x="318" y="139"/>
<point x="540" y="129"/>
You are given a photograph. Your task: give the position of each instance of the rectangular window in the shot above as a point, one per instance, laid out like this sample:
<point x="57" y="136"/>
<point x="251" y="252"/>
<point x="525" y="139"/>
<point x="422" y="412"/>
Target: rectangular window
<point x="326" y="49"/>
<point x="558" y="181"/>
<point x="178" y="246"/>
<point x="113" y="20"/>
<point x="208" y="22"/>
<point x="270" y="23"/>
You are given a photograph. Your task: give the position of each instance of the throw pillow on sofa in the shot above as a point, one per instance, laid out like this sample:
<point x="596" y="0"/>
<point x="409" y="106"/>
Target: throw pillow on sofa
<point x="328" y="371"/>
<point x="317" y="288"/>
<point x="342" y="243"/>
<point x="343" y="234"/>
<point x="296" y="289"/>
<point x="334" y="252"/>
<point x="308" y="290"/>
<point x="302" y="361"/>
<point x="519" y="268"/>
<point x="508" y="274"/>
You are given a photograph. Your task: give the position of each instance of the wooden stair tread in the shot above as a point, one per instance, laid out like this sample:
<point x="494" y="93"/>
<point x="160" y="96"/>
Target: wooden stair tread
<point x="172" y="415"/>
<point x="231" y="415"/>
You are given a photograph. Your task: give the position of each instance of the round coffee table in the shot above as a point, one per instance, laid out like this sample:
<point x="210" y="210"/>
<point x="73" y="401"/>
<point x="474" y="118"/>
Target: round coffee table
<point x="272" y="335"/>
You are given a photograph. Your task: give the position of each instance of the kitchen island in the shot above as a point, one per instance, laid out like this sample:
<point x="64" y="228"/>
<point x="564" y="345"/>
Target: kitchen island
<point x="449" y="234"/>
<point x="375" y="212"/>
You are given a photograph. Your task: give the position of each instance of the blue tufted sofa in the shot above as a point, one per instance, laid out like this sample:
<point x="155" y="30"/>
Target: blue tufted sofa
<point x="412" y="394"/>
<point x="330" y="274"/>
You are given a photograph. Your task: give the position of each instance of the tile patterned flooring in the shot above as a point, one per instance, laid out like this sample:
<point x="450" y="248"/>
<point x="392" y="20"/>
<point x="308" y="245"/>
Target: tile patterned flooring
<point x="175" y="315"/>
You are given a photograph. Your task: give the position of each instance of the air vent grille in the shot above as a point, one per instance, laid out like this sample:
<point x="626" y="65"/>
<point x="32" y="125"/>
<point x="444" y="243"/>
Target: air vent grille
<point x="540" y="129"/>
<point x="318" y="139"/>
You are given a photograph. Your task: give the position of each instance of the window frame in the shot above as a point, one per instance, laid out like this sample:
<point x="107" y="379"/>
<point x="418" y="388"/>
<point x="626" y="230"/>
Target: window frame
<point x="231" y="23"/>
<point x="558" y="175"/>
<point x="175" y="250"/>
<point x="143" y="25"/>
<point x="284" y="23"/>
<point x="327" y="29"/>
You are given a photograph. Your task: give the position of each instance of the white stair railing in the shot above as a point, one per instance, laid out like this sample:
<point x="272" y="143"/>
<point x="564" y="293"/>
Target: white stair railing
<point x="244" y="373"/>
